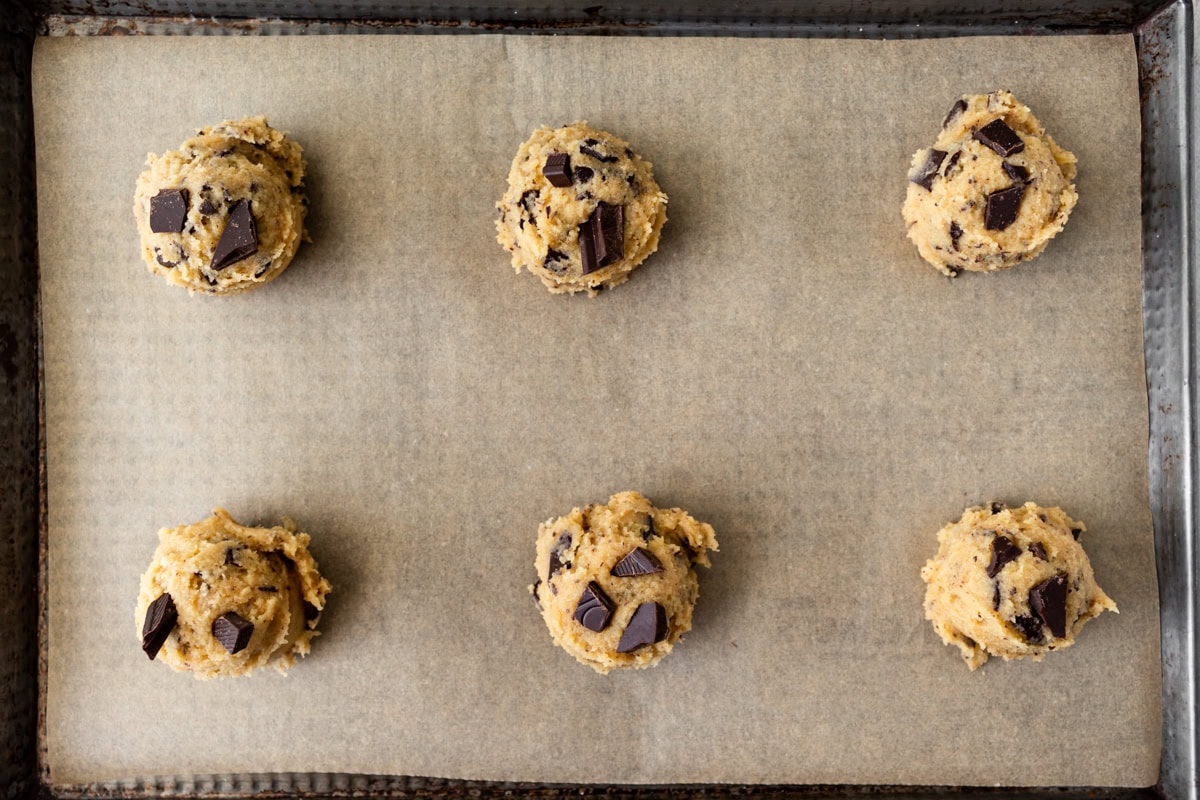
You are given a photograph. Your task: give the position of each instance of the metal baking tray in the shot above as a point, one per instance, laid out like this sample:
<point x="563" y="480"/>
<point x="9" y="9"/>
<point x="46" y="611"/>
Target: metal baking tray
<point x="1165" y="33"/>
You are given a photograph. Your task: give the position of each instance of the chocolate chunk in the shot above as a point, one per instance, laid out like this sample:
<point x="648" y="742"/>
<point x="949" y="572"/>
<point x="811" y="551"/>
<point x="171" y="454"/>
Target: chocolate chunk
<point x="168" y="264"/>
<point x="1038" y="551"/>
<point x="951" y="163"/>
<point x="996" y="595"/>
<point x="996" y="506"/>
<point x="159" y="622"/>
<point x="1015" y="171"/>
<point x="1049" y="601"/>
<point x="924" y="177"/>
<point x="1001" y="138"/>
<point x="647" y="626"/>
<point x="955" y="235"/>
<point x="268" y="589"/>
<point x="956" y="111"/>
<point x="596" y="154"/>
<point x="584" y="174"/>
<point x="527" y="198"/>
<point x="639" y="562"/>
<point x="602" y="237"/>
<point x="557" y="169"/>
<point x="594" y="609"/>
<point x="1030" y="628"/>
<point x="206" y="207"/>
<point x="555" y="261"/>
<point x="1004" y="550"/>
<point x="168" y="210"/>
<point x="232" y="632"/>
<point x="229" y="558"/>
<point x="1075" y="533"/>
<point x="557" y="562"/>
<point x="1003" y="207"/>
<point x="239" y="239"/>
<point x="646" y="534"/>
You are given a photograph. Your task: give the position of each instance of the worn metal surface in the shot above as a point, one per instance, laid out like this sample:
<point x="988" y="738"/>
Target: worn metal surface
<point x="1166" y="33"/>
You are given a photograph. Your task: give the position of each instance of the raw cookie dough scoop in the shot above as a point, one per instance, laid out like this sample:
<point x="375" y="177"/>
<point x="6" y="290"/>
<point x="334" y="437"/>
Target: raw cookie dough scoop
<point x="222" y="599"/>
<point x="225" y="212"/>
<point x="992" y="191"/>
<point x="1012" y="583"/>
<point x="617" y="582"/>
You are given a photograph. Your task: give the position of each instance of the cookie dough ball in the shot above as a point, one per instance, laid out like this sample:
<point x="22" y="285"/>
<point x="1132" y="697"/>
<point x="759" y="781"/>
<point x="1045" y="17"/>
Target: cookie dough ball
<point x="992" y="191"/>
<point x="1011" y="583"/>
<point x="223" y="599"/>
<point x="582" y="210"/>
<point x="225" y="212"/>
<point x="616" y="584"/>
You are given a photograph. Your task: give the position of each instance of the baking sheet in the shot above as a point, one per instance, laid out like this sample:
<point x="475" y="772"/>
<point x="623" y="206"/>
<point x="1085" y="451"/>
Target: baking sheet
<point x="785" y="368"/>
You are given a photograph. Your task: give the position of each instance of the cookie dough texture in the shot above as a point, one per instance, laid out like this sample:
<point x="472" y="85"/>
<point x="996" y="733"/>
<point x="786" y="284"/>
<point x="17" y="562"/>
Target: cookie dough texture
<point x="946" y="209"/>
<point x="1012" y="583"/>
<point x="580" y="552"/>
<point x="539" y="223"/>
<point x="243" y="159"/>
<point x="264" y="575"/>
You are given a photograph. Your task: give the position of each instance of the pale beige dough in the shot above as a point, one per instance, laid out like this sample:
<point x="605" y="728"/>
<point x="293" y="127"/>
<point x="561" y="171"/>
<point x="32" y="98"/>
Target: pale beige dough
<point x="539" y="222"/>
<point x="267" y="576"/>
<point x="583" y="548"/>
<point x="1011" y="612"/>
<point x="946" y="218"/>
<point x="242" y="159"/>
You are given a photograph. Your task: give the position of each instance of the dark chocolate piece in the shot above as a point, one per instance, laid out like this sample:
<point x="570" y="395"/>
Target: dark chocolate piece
<point x="584" y="174"/>
<point x="229" y="557"/>
<point x="1001" y="138"/>
<point x="555" y="261"/>
<point x="1075" y="533"/>
<point x="159" y="622"/>
<point x="1015" y="171"/>
<point x="1038" y="551"/>
<point x="527" y="198"/>
<point x="1030" y="628"/>
<point x="1003" y="207"/>
<point x="239" y="239"/>
<point x="647" y="626"/>
<point x="557" y="562"/>
<point x="996" y="506"/>
<point x="1049" y="601"/>
<point x="646" y="534"/>
<point x="594" y="609"/>
<point x="1004" y="550"/>
<point x="955" y="234"/>
<point x="206" y="207"/>
<point x="232" y="631"/>
<point x="168" y="264"/>
<point x="268" y="589"/>
<point x="557" y="170"/>
<point x="951" y="163"/>
<point x="602" y="237"/>
<point x="168" y="210"/>
<point x="933" y="163"/>
<point x="996" y="595"/>
<point x="640" y="561"/>
<point x="603" y="159"/>
<point x="956" y="111"/>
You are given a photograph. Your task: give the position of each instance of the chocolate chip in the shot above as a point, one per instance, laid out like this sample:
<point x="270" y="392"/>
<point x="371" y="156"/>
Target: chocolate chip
<point x="933" y="161"/>
<point x="239" y="239"/>
<point x="159" y="622"/>
<point x="594" y="609"/>
<point x="584" y="174"/>
<point x="647" y="626"/>
<point x="168" y="264"/>
<point x="229" y="558"/>
<point x="602" y="237"/>
<point x="555" y="261"/>
<point x="268" y="589"/>
<point x="955" y="235"/>
<point x="1038" y="551"/>
<point x="1001" y="138"/>
<point x="639" y="561"/>
<point x="1004" y="550"/>
<point x="596" y="154"/>
<point x="956" y="111"/>
<point x="206" y="207"/>
<point x="557" y="562"/>
<point x="952" y="162"/>
<point x="646" y="534"/>
<point x="527" y="198"/>
<point x="557" y="169"/>
<point x="1075" y="533"/>
<point x="996" y="596"/>
<point x="1003" y="207"/>
<point x="1049" y="601"/>
<point x="232" y="631"/>
<point x="168" y="210"/>
<point x="1030" y="628"/>
<point x="1015" y="171"/>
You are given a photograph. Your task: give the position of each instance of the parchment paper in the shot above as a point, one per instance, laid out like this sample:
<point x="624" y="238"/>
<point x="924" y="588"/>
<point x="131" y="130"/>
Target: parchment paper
<point x="785" y="368"/>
